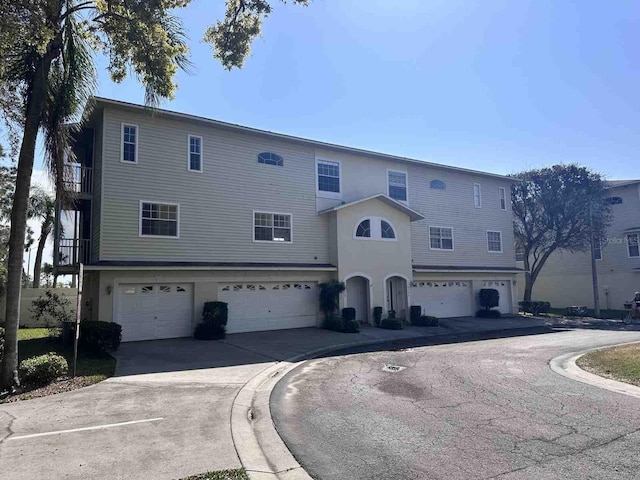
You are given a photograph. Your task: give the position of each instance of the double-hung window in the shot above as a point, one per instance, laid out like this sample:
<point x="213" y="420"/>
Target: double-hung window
<point x="195" y="153"/>
<point x="159" y="219"/>
<point x="129" y="143"/>
<point x="632" y="245"/>
<point x="328" y="177"/>
<point x="494" y="242"/>
<point x="502" y="195"/>
<point x="397" y="185"/>
<point x="441" y="238"/>
<point x="477" y="195"/>
<point x="271" y="227"/>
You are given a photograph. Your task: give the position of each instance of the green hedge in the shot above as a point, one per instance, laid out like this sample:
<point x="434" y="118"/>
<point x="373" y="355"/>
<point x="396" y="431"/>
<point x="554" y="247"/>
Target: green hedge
<point x="425" y="321"/>
<point x="341" y="324"/>
<point x="349" y="313"/>
<point x="43" y="369"/>
<point x="535" y="308"/>
<point x="391" y="324"/>
<point x="99" y="337"/>
<point x="214" y="321"/>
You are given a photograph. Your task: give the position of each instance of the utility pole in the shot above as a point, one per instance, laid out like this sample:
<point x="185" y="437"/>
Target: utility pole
<point x="594" y="267"/>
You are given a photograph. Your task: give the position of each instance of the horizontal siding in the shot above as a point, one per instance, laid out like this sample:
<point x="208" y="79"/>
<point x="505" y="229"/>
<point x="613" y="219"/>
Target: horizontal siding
<point x="216" y="206"/>
<point x="97" y="190"/>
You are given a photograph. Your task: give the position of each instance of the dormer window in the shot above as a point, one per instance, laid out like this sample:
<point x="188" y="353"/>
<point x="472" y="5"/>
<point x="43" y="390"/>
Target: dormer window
<point x="364" y="229"/>
<point x="270" y="158"/>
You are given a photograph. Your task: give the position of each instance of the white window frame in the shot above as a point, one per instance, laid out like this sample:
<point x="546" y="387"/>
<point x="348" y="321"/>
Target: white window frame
<point x="189" y="137"/>
<point x="502" y="197"/>
<point x="453" y="241"/>
<point x="477" y="204"/>
<point x="322" y="193"/>
<point x="122" y="125"/>
<point x="637" y="235"/>
<point x="375" y="229"/>
<point x="501" y="241"/>
<point x="406" y="184"/>
<point x="177" y="205"/>
<point x="253" y="229"/>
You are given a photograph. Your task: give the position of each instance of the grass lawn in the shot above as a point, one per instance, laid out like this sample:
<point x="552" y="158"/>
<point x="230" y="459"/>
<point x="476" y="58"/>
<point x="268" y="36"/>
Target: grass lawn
<point x="221" y="475"/>
<point x="604" y="313"/>
<point x="38" y="341"/>
<point x="619" y="363"/>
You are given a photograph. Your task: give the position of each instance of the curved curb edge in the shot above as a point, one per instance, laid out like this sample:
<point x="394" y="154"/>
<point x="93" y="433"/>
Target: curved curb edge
<point x="566" y="366"/>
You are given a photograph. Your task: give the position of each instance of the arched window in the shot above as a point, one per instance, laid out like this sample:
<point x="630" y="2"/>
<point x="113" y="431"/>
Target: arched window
<point x="386" y="230"/>
<point x="438" y="185"/>
<point x="269" y="158"/>
<point x="364" y="229"/>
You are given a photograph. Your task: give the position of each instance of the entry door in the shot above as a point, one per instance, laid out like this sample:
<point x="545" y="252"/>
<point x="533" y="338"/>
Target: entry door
<point x="358" y="297"/>
<point x="397" y="296"/>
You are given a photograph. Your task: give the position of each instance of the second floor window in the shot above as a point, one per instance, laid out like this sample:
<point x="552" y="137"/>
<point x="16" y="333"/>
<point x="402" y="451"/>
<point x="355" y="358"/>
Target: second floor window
<point x="502" y="194"/>
<point x="129" y="143"/>
<point x="195" y="153"/>
<point x="494" y="242"/>
<point x="328" y="176"/>
<point x="632" y="244"/>
<point x="364" y="229"/>
<point x="597" y="250"/>
<point x="158" y="219"/>
<point x="386" y="230"/>
<point x="520" y="253"/>
<point x="271" y="227"/>
<point x="477" y="195"/>
<point x="397" y="185"/>
<point x="270" y="158"/>
<point x="441" y="238"/>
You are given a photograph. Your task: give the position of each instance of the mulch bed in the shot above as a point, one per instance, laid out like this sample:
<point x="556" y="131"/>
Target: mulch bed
<point x="62" y="385"/>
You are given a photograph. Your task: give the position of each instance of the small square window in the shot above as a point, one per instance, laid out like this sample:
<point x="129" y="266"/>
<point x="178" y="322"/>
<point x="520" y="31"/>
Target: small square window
<point x="271" y="227"/>
<point x="441" y="238"/>
<point x="158" y="220"/>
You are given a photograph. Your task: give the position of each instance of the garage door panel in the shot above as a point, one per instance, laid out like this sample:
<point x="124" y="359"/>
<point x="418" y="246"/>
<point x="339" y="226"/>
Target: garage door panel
<point x="270" y="305"/>
<point x="443" y="299"/>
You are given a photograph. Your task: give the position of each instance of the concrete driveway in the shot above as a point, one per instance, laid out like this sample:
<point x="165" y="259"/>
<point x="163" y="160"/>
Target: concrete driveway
<point x="477" y="410"/>
<point x="166" y="413"/>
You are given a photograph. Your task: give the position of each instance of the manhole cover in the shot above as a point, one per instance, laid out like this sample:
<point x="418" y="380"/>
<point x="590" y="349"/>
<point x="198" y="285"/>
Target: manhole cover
<point x="392" y="368"/>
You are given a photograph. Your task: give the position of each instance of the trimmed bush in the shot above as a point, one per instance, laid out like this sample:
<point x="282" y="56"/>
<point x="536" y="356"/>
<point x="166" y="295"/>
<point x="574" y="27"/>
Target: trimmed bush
<point x="377" y="315"/>
<point x="99" y="337"/>
<point x="415" y="312"/>
<point x="329" y="297"/>
<point x="214" y="321"/>
<point x="488" y="314"/>
<point x="391" y="314"/>
<point x="535" y="308"/>
<point x="577" y="311"/>
<point x="43" y="369"/>
<point x="391" y="324"/>
<point x="340" y="324"/>
<point x="489" y="298"/>
<point x="349" y="313"/>
<point x="426" y="321"/>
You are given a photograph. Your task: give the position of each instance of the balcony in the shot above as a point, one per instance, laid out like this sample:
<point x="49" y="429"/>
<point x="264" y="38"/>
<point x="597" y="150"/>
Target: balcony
<point x="80" y="179"/>
<point x="72" y="252"/>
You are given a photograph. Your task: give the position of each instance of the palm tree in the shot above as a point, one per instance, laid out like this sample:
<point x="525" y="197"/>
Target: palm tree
<point x="43" y="206"/>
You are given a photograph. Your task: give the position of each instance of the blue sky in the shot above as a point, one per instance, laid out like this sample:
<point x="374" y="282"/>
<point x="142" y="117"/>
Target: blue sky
<point x="497" y="85"/>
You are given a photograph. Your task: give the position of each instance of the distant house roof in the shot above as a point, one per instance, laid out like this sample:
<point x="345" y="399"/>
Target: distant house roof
<point x="299" y="140"/>
<point x="413" y="215"/>
<point x="620" y="183"/>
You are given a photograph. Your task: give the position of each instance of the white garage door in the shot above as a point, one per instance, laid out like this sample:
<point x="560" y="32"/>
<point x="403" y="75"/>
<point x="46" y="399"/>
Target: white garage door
<point x="149" y="311"/>
<point x="504" y="288"/>
<point x="443" y="299"/>
<point x="270" y="306"/>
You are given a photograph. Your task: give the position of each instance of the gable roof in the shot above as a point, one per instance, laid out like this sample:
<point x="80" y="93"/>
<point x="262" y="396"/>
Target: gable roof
<point x="304" y="141"/>
<point x="411" y="213"/>
<point x="620" y="183"/>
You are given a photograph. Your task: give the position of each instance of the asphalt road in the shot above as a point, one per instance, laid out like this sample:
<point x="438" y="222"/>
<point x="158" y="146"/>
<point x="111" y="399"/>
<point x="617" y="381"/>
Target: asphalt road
<point x="486" y="409"/>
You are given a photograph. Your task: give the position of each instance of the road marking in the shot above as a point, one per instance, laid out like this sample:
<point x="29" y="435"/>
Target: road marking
<point x="84" y="429"/>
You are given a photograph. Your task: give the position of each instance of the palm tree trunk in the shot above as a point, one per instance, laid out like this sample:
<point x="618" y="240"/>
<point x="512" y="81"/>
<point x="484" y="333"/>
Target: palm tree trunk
<point x="44" y="234"/>
<point x="35" y="103"/>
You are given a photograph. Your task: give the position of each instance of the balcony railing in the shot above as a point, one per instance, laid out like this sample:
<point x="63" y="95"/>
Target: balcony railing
<point x="73" y="251"/>
<point x="81" y="180"/>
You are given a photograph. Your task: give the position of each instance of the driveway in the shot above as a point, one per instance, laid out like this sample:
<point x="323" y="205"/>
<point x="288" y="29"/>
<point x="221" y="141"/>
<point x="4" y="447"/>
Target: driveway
<point x="478" y="410"/>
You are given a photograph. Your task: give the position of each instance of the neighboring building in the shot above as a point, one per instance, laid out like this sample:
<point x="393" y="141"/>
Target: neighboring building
<point x="173" y="210"/>
<point x="566" y="279"/>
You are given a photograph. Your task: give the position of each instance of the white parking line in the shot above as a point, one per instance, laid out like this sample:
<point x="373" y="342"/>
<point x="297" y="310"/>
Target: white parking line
<point x="84" y="429"/>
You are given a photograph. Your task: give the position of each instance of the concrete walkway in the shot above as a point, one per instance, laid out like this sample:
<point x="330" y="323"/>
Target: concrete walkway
<point x="168" y="411"/>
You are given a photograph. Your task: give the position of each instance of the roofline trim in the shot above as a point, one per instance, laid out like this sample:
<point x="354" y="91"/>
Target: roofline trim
<point x="205" y="268"/>
<point x="305" y="141"/>
<point x="400" y="206"/>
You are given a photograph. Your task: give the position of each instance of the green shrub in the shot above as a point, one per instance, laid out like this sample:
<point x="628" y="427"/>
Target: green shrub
<point x="535" y="308"/>
<point x="349" y="313"/>
<point x="99" y="337"/>
<point x="577" y="311"/>
<point x="329" y="297"/>
<point x="488" y="314"/>
<point x="426" y="321"/>
<point x="53" y="308"/>
<point x="489" y="298"/>
<point x="43" y="369"/>
<point x="377" y="315"/>
<point x="391" y="324"/>
<point x="415" y="312"/>
<point x="214" y="321"/>
<point x="341" y="324"/>
<point x="1" y="343"/>
<point x="391" y="314"/>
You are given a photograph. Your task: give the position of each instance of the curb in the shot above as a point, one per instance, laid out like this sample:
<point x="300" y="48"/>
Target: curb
<point x="566" y="366"/>
<point x="261" y="451"/>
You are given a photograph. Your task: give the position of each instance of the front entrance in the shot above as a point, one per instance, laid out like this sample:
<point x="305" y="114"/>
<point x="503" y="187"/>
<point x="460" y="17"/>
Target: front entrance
<point x="357" y="289"/>
<point x="396" y="288"/>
